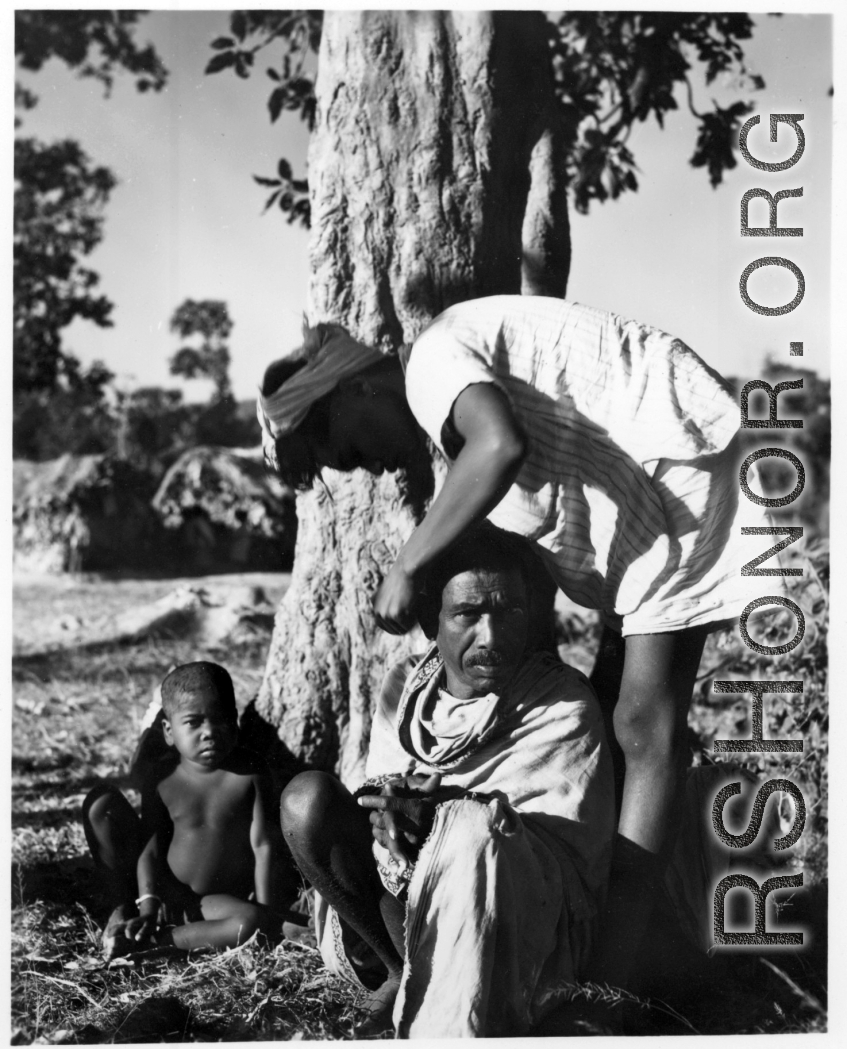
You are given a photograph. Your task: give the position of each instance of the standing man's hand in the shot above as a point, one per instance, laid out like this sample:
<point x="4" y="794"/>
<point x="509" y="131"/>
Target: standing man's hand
<point x="494" y="447"/>
<point x="395" y="600"/>
<point x="403" y="814"/>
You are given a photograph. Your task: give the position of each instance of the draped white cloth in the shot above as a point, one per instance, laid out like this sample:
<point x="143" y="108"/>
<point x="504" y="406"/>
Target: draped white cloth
<point x="503" y="897"/>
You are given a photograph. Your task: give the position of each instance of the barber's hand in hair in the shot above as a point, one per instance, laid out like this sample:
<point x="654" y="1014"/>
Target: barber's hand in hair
<point x="402" y="815"/>
<point x="394" y="602"/>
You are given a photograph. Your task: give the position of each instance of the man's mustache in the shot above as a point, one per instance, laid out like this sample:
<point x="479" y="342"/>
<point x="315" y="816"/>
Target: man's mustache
<point x="490" y="658"/>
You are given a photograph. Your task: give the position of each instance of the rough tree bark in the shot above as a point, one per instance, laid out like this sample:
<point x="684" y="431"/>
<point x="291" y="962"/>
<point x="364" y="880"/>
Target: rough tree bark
<point x="434" y="179"/>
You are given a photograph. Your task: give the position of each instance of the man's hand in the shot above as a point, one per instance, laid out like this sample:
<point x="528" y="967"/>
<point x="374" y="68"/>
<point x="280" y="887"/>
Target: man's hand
<point x="402" y="815"/>
<point x="395" y="600"/>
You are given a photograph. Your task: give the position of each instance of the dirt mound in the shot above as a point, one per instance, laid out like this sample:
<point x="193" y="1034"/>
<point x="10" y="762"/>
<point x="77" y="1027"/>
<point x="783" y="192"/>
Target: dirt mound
<point x="223" y="510"/>
<point x="215" y="510"/>
<point x="81" y="513"/>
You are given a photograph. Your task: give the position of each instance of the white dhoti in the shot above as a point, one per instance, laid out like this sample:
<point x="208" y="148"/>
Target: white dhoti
<point x="503" y="898"/>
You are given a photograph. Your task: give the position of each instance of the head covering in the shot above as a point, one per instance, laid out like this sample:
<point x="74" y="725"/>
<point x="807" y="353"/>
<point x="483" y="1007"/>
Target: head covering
<point x="336" y="357"/>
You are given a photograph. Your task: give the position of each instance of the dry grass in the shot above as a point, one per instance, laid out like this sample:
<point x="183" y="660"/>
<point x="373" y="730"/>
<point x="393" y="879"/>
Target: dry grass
<point x="802" y="715"/>
<point x="76" y="720"/>
<point x="77" y="715"/>
<point x="64" y="994"/>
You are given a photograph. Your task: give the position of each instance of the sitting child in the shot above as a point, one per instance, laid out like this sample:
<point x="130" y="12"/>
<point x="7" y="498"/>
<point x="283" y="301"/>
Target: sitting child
<point x="203" y="858"/>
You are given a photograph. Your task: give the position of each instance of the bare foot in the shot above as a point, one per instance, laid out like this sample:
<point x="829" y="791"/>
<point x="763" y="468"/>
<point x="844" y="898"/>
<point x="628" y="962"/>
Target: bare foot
<point x="115" y="942"/>
<point x="379" y="1005"/>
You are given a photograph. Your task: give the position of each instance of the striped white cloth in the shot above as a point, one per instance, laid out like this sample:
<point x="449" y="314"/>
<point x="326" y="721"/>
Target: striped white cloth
<point x="336" y="358"/>
<point x="630" y="486"/>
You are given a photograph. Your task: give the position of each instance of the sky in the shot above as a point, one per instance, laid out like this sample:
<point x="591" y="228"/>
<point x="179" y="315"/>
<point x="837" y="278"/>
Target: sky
<point x="186" y="217"/>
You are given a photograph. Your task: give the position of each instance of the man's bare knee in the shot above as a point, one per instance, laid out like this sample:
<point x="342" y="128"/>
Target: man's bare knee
<point x="249" y="920"/>
<point x="307" y="802"/>
<point x="643" y="736"/>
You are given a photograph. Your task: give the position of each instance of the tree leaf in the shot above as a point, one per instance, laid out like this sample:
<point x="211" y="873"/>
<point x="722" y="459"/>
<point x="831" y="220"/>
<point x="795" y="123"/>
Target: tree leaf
<point x="221" y="61"/>
<point x="222" y="42"/>
<point x="238" y="24"/>
<point x="275" y="102"/>
<point x="284" y="169"/>
<point x="301" y="213"/>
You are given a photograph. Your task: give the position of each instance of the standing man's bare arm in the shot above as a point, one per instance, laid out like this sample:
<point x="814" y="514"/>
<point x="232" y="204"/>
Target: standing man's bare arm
<point x="491" y="457"/>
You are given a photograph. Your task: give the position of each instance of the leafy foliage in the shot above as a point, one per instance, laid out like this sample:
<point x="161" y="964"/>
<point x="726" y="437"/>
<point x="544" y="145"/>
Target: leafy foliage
<point x="94" y="43"/>
<point x="154" y="426"/>
<point x="58" y="219"/>
<point x="60" y="197"/>
<point x="610" y="70"/>
<point x="715" y="141"/>
<point x="812" y="444"/>
<point x="803" y="715"/>
<point x="290" y="194"/>
<point x="208" y="318"/>
<point x="300" y="35"/>
<point x="75" y="418"/>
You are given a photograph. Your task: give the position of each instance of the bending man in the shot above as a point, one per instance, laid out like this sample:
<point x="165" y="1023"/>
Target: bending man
<point x="609" y="444"/>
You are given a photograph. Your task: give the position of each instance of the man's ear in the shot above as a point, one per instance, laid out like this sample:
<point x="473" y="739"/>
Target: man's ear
<point x="167" y="733"/>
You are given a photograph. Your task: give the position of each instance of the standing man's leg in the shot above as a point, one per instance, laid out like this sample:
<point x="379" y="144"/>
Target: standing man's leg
<point x="650" y="723"/>
<point x="606" y="680"/>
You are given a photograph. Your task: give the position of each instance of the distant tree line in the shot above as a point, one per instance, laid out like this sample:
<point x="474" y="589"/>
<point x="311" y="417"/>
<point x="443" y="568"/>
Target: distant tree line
<point x="611" y="70"/>
<point x="82" y="412"/>
<point x="59" y="202"/>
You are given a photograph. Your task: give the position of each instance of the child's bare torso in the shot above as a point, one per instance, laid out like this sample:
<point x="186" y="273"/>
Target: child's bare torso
<point x="212" y="812"/>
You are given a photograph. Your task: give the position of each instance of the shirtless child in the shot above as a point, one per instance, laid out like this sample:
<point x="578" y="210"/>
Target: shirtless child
<point x="206" y="841"/>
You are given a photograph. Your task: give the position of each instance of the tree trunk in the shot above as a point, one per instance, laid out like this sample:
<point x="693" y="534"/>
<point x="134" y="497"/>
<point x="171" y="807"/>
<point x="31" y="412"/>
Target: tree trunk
<point x="433" y="173"/>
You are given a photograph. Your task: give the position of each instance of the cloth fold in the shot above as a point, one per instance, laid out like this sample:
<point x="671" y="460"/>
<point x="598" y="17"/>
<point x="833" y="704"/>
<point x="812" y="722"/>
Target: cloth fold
<point x="504" y="895"/>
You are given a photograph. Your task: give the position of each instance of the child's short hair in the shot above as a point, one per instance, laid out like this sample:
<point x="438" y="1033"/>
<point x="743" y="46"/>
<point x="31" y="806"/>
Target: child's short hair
<point x="187" y="680"/>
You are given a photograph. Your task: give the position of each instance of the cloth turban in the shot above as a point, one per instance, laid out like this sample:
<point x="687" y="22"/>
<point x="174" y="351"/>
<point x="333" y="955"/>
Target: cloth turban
<point x="281" y="412"/>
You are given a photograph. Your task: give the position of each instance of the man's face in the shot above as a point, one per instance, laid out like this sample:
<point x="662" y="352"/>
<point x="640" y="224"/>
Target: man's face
<point x="482" y="630"/>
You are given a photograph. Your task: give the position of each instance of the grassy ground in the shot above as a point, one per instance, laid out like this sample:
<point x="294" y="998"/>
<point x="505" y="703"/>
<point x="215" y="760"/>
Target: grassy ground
<point x="76" y="719"/>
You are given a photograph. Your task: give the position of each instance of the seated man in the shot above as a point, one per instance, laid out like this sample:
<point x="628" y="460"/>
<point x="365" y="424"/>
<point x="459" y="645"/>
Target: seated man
<point x="203" y="859"/>
<point x="472" y="861"/>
